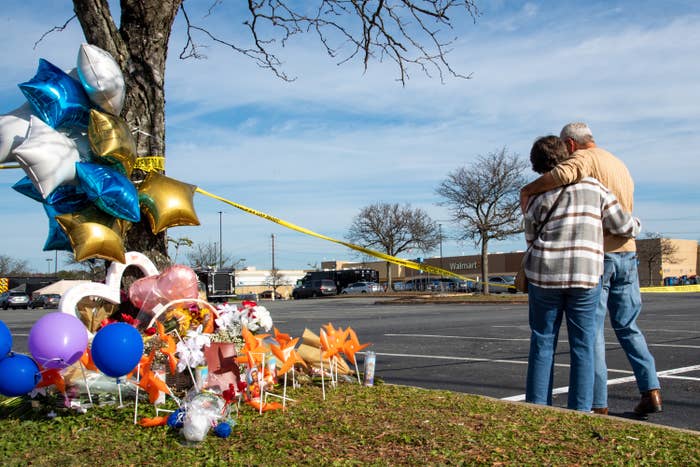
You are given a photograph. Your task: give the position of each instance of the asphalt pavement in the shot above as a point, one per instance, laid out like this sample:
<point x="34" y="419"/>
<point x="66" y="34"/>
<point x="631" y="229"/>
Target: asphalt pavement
<point x="482" y="348"/>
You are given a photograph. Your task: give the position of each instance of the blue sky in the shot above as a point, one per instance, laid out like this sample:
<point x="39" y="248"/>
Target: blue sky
<point x="317" y="150"/>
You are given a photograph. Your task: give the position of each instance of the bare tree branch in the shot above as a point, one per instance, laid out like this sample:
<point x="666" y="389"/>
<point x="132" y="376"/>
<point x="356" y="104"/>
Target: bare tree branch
<point x="403" y="31"/>
<point x="54" y="29"/>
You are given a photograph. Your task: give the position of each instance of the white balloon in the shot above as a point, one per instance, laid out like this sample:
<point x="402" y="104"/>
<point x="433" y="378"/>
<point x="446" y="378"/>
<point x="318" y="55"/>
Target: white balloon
<point x="102" y="78"/>
<point x="47" y="156"/>
<point x="14" y="127"/>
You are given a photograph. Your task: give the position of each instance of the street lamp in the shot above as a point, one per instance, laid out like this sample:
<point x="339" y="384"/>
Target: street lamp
<point x="220" y="245"/>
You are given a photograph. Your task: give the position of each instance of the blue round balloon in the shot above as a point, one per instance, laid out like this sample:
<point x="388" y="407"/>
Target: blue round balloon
<point x="19" y="374"/>
<point x="56" y="98"/>
<point x="110" y="190"/>
<point x="222" y="430"/>
<point x="117" y="349"/>
<point x="176" y="419"/>
<point x="5" y="340"/>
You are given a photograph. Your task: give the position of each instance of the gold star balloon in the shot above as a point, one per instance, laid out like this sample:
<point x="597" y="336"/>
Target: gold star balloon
<point x="167" y="202"/>
<point x="111" y="141"/>
<point x="93" y="234"/>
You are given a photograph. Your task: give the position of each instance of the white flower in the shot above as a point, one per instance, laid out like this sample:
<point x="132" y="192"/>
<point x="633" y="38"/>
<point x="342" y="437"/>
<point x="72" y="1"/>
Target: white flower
<point x="256" y="318"/>
<point x="190" y="349"/>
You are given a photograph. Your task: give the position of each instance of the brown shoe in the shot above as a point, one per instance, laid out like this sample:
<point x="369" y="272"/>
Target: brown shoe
<point x="649" y="403"/>
<point x="600" y="410"/>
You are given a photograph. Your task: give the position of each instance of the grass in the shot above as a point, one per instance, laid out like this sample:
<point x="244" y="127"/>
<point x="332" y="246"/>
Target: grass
<point x="355" y="425"/>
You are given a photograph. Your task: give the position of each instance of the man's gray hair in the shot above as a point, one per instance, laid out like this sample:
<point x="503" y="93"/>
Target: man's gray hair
<point x="577" y="131"/>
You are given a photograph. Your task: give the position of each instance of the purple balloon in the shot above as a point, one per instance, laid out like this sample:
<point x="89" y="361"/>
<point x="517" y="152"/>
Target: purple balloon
<point x="57" y="340"/>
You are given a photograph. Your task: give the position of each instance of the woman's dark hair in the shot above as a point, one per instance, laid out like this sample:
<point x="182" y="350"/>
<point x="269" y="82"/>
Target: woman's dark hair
<point x="546" y="153"/>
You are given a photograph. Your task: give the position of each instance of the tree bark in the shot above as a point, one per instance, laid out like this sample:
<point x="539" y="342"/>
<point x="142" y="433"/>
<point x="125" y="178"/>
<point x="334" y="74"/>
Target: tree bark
<point x="485" y="265"/>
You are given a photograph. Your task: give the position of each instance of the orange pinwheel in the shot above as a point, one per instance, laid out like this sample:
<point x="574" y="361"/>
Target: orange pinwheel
<point x="52" y="377"/>
<point x="281" y="338"/>
<point x="331" y="341"/>
<point x="267" y="406"/>
<point x="86" y="360"/>
<point x="287" y="355"/>
<point x="154" y="421"/>
<point x="252" y="349"/>
<point x="144" y="365"/>
<point x="170" y="347"/>
<point x="153" y="385"/>
<point x="352" y="345"/>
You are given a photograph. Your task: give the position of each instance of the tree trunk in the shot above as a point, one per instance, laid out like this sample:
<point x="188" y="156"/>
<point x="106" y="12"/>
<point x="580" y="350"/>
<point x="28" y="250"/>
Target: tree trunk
<point x="485" y="265"/>
<point x="388" y="276"/>
<point x="140" y="47"/>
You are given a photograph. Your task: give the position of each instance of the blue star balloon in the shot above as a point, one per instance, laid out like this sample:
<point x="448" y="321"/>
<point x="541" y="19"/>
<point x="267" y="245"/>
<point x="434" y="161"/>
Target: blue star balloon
<point x="27" y="188"/>
<point x="111" y="191"/>
<point x="68" y="198"/>
<point x="57" y="238"/>
<point x="56" y="98"/>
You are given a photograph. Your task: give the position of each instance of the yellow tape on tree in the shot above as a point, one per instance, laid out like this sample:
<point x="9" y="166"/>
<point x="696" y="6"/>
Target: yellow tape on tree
<point x="150" y="163"/>
<point x="376" y="254"/>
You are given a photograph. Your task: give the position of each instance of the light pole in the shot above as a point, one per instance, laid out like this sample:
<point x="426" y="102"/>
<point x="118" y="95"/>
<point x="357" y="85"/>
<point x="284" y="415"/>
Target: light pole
<point x="48" y="265"/>
<point x="440" y="233"/>
<point x="220" y="246"/>
<point x="55" y="262"/>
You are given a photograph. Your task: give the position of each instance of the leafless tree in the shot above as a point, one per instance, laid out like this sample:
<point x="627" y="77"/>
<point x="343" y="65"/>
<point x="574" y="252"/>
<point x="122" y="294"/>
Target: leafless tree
<point x="10" y="266"/>
<point x="483" y="200"/>
<point x="414" y="34"/>
<point x="275" y="280"/>
<point x="654" y="250"/>
<point x="178" y="242"/>
<point x="91" y="269"/>
<point x="393" y="229"/>
<point x="206" y="254"/>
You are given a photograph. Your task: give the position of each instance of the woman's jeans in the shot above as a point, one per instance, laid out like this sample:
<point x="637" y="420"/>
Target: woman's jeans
<point x="547" y="307"/>
<point x="623" y="301"/>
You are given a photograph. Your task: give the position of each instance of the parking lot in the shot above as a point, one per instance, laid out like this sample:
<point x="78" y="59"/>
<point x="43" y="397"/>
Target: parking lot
<point x="482" y="348"/>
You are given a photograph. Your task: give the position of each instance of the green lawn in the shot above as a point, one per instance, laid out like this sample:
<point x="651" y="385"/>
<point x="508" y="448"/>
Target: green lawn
<point x="380" y="425"/>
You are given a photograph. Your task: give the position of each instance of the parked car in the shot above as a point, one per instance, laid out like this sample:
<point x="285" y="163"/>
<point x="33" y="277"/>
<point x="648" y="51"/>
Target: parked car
<point x="13" y="299"/>
<point x="362" y="287"/>
<point x="45" y="301"/>
<point x="314" y="288"/>
<point x="507" y="281"/>
<point x="268" y="294"/>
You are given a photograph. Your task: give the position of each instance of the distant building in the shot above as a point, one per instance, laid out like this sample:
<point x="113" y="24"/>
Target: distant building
<point x="685" y="262"/>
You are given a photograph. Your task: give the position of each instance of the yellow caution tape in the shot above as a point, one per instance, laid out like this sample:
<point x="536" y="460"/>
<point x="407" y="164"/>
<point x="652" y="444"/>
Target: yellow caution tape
<point x="10" y="166"/>
<point x="376" y="254"/>
<point x="671" y="289"/>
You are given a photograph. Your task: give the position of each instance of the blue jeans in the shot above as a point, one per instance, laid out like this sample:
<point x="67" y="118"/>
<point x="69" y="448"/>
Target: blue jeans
<point x="623" y="301"/>
<point x="547" y="306"/>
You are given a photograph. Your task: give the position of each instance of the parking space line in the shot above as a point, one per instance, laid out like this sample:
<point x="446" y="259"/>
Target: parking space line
<point x="628" y="379"/>
<point x="440" y="336"/>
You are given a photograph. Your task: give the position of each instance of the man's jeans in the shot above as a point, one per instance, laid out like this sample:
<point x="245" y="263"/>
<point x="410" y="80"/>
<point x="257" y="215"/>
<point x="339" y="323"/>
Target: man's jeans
<point x="547" y="306"/>
<point x="622" y="300"/>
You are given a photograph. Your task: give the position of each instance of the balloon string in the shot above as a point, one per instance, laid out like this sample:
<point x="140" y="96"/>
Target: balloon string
<point x="376" y="254"/>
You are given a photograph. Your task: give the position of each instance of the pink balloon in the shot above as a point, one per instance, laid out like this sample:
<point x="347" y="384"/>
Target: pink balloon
<point x="178" y="282"/>
<point x="175" y="282"/>
<point x="141" y="290"/>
